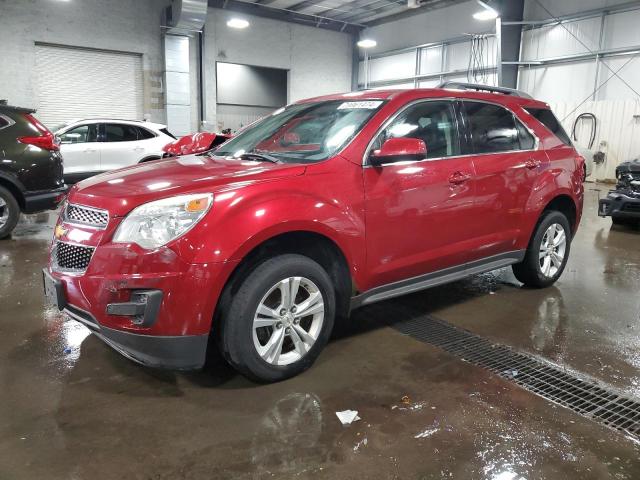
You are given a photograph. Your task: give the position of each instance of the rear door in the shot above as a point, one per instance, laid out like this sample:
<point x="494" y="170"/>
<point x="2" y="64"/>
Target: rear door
<point x="417" y="212"/>
<point x="120" y="146"/>
<point x="80" y="149"/>
<point x="507" y="163"/>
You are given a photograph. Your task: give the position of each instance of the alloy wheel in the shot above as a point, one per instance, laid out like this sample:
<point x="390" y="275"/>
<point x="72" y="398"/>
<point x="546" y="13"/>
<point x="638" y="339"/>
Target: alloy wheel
<point x="552" y="250"/>
<point x="4" y="212"/>
<point x="288" y="321"/>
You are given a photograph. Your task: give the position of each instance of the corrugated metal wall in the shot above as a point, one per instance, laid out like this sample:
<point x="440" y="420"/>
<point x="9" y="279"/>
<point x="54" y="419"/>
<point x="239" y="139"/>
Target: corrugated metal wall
<point x="616" y="133"/>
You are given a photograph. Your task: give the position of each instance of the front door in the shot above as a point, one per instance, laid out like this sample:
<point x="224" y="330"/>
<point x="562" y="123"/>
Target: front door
<point x="417" y="212"/>
<point x="80" y="151"/>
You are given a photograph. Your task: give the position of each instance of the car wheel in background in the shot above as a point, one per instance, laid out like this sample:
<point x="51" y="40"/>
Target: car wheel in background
<point x="9" y="212"/>
<point x="547" y="253"/>
<point x="279" y="319"/>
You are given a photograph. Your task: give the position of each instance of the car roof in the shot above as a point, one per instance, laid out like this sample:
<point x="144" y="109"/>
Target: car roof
<point x="5" y="107"/>
<point x="418" y="93"/>
<point x="141" y="123"/>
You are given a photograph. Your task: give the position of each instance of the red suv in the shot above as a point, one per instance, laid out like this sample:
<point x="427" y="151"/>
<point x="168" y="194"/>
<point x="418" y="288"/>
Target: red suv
<point x="322" y="207"/>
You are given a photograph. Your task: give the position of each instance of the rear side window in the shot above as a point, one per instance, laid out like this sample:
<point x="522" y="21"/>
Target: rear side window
<point x="5" y="122"/>
<point x="144" y="134"/>
<point x="167" y="132"/>
<point x="549" y="120"/>
<point x="492" y="128"/>
<point x="118" y="132"/>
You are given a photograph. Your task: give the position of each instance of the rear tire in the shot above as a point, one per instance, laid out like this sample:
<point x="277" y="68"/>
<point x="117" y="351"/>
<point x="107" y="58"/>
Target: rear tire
<point x="9" y="212"/>
<point x="264" y="333"/>
<point x="548" y="251"/>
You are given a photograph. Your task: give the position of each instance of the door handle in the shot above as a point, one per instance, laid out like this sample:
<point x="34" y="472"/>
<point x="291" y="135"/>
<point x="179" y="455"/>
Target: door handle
<point x="532" y="164"/>
<point x="138" y="149"/>
<point x="90" y="150"/>
<point x="459" y="178"/>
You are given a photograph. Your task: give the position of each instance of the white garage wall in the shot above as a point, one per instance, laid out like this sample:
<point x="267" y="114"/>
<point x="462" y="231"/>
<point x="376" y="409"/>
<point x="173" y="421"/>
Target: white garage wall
<point x="121" y="25"/>
<point x="319" y="61"/>
<point x="569" y="86"/>
<point x="445" y="61"/>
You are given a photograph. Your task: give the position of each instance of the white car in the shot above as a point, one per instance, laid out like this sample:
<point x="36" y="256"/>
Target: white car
<point x="94" y="146"/>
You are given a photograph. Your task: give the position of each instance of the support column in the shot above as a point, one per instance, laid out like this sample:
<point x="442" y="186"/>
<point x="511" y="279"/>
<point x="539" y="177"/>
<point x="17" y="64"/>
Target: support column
<point x="509" y="38"/>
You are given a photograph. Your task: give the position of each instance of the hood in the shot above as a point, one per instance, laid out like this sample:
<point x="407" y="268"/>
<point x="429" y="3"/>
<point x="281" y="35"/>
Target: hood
<point x="122" y="190"/>
<point x="629" y="167"/>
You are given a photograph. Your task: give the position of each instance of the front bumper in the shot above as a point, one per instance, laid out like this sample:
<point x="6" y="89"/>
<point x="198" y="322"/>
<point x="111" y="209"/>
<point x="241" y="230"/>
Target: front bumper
<point x="177" y="352"/>
<point x="619" y="205"/>
<point x="43" y="200"/>
<point x="184" y="352"/>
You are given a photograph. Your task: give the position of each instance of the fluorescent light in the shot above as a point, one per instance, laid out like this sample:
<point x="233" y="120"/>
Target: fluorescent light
<point x="237" y="23"/>
<point x="367" y="43"/>
<point x="486" y="14"/>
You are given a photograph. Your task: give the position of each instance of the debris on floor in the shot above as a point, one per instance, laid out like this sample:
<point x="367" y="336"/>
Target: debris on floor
<point x="427" y="432"/>
<point x="347" y="417"/>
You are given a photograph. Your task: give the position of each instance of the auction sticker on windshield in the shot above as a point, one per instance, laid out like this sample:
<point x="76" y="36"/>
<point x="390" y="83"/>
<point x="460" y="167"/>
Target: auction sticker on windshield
<point x="368" y="105"/>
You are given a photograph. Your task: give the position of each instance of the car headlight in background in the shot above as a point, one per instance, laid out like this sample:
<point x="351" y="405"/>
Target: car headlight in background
<point x="157" y="223"/>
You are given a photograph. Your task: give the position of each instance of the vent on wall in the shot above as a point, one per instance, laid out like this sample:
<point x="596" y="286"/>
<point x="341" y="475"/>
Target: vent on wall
<point x="185" y="16"/>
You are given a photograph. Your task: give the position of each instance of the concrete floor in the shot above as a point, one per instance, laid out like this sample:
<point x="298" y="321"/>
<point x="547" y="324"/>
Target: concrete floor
<point x="71" y="408"/>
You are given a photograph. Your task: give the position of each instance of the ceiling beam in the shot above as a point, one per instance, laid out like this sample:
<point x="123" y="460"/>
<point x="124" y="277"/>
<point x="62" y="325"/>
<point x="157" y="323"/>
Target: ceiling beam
<point x="286" y="15"/>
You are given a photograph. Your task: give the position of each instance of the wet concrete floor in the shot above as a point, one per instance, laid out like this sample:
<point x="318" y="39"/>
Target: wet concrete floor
<point x="72" y="408"/>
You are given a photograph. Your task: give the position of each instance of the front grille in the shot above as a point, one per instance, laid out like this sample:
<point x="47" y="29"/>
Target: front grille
<point x="86" y="216"/>
<point x="73" y="258"/>
<point x="582" y="395"/>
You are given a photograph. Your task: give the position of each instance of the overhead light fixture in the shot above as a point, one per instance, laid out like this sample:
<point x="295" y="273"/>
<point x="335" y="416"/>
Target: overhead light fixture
<point x="237" y="23"/>
<point x="487" y="12"/>
<point x="367" y="43"/>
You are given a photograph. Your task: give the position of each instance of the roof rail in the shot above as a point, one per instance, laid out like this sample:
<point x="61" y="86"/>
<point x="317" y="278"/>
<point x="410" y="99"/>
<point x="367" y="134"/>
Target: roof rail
<point x="484" y="88"/>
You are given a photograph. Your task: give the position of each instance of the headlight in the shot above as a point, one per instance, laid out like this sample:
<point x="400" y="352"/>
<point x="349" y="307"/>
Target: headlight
<point x="157" y="223"/>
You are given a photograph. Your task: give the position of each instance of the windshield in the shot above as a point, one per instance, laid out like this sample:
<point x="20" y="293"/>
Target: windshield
<point x="302" y="133"/>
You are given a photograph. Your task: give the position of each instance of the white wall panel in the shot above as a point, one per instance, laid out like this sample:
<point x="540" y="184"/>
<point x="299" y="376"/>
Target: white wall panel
<point x="457" y="56"/>
<point x="613" y="86"/>
<point x="561" y="82"/>
<point x="555" y="40"/>
<point x="431" y="59"/>
<point x="402" y="65"/>
<point x="621" y="30"/>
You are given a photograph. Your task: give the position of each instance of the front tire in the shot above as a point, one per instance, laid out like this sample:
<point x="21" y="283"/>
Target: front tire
<point x="279" y="320"/>
<point x="9" y="212"/>
<point x="548" y="252"/>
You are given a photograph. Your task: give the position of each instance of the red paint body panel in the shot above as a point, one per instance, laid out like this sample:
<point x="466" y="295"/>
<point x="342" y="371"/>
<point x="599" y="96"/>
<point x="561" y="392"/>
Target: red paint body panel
<point x="391" y="222"/>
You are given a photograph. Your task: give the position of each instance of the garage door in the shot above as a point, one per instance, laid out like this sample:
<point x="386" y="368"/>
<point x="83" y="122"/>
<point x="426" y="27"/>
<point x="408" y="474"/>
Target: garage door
<point x="75" y="83"/>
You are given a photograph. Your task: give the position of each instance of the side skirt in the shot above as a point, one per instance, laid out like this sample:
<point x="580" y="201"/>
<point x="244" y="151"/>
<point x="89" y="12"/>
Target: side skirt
<point x="434" y="279"/>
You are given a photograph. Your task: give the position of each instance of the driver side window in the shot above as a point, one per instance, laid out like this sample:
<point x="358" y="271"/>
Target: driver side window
<point x="80" y="134"/>
<point x="432" y="122"/>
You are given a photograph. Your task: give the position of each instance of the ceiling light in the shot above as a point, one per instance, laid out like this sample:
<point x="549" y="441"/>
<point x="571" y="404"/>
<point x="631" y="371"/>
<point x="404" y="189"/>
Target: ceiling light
<point x="237" y="23"/>
<point x="486" y="14"/>
<point x="367" y="43"/>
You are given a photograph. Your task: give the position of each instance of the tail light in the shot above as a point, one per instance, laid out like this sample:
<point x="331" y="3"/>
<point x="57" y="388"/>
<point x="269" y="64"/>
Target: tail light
<point x="45" y="139"/>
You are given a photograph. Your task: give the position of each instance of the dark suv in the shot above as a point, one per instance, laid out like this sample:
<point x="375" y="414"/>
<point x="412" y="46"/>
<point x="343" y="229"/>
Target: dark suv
<point x="30" y="167"/>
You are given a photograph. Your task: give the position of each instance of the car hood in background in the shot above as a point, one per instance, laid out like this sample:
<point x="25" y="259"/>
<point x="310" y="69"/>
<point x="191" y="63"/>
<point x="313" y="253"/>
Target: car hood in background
<point x="122" y="190"/>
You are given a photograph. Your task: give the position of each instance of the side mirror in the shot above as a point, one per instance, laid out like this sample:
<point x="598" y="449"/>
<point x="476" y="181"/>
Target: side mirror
<point x="399" y="150"/>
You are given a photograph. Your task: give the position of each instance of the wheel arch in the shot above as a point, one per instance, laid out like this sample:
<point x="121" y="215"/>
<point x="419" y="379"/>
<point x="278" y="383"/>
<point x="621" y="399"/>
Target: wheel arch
<point x="150" y="158"/>
<point x="312" y="244"/>
<point x="564" y="204"/>
<point x="14" y="188"/>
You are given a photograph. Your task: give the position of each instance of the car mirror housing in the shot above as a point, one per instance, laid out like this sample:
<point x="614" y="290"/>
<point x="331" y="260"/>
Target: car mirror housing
<point x="399" y="150"/>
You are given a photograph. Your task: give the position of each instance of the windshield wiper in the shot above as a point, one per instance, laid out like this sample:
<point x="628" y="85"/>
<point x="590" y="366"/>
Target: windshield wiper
<point x="259" y="156"/>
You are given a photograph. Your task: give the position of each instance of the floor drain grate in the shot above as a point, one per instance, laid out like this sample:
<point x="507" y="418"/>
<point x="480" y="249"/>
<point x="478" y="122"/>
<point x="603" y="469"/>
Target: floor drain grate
<point x="552" y="383"/>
